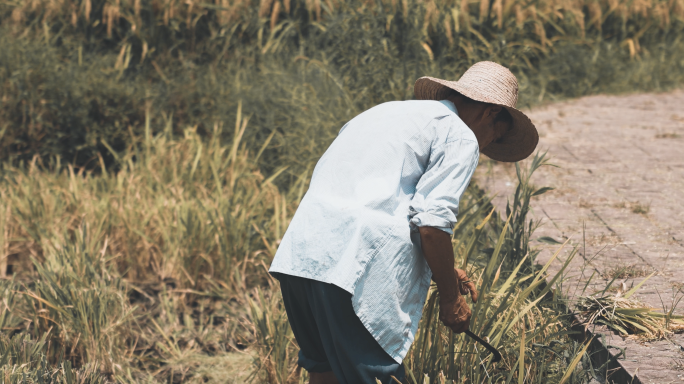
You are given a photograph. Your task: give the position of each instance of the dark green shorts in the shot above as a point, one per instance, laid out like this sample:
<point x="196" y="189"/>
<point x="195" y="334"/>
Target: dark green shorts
<point x="330" y="335"/>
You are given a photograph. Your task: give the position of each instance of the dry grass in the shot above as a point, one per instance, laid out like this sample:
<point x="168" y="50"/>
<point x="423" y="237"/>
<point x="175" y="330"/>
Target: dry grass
<point x="144" y="274"/>
<point x="627" y="315"/>
<point x="76" y="71"/>
<point x="604" y="238"/>
<point x="678" y="365"/>
<point x="634" y="206"/>
<point x="157" y="273"/>
<point x="514" y="311"/>
<point x="148" y="263"/>
<point x="639" y="208"/>
<point x="668" y="135"/>
<point x="541" y="20"/>
<point x="626" y="271"/>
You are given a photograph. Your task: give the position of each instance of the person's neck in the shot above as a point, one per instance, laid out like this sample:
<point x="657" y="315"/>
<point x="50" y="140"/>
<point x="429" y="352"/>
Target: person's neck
<point x="470" y="113"/>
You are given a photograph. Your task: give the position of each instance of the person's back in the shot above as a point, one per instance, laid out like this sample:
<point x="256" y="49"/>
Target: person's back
<point x="362" y="187"/>
<point x="353" y="226"/>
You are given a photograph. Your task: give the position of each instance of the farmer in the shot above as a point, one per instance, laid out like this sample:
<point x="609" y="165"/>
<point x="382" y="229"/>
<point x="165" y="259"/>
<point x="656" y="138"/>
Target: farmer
<point x="375" y="225"/>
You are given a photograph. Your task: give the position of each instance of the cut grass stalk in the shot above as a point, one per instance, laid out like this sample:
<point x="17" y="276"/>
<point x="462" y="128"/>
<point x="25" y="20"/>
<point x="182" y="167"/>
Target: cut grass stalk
<point x="627" y="315"/>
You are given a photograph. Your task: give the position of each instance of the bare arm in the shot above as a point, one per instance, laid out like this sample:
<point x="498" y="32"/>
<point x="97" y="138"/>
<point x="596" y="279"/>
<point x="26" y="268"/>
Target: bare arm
<point x="451" y="282"/>
<point x="439" y="254"/>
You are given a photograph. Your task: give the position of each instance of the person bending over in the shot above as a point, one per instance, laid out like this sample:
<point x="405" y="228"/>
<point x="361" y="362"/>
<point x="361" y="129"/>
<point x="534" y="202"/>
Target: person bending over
<point x="375" y="225"/>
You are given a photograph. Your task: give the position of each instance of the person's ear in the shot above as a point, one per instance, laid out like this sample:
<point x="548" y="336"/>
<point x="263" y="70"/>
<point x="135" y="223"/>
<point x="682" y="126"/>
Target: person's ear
<point x="493" y="110"/>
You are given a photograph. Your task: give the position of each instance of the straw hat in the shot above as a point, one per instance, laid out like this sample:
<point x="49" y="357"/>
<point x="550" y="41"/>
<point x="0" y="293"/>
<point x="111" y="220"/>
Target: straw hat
<point x="492" y="83"/>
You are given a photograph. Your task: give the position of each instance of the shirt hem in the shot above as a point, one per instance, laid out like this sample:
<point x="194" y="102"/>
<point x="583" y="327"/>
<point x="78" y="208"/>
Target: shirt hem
<point x="397" y="355"/>
<point x="307" y="276"/>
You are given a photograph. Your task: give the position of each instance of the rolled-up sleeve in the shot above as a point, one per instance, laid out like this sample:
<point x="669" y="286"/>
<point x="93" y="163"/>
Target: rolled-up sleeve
<point x="450" y="167"/>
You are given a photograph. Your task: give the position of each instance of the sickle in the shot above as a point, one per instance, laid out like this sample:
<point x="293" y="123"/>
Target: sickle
<point x="497" y="355"/>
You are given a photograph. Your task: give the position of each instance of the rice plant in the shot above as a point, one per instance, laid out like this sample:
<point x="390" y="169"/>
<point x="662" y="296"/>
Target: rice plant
<point x="141" y="199"/>
<point x="176" y="210"/>
<point x="157" y="272"/>
<point x="22" y="361"/>
<point x="140" y="274"/>
<point x="514" y="312"/>
<point x="517" y="312"/>
<point x="538" y="25"/>
<point x="276" y="346"/>
<point x="79" y="306"/>
<point x="79" y="71"/>
<point x="625" y="314"/>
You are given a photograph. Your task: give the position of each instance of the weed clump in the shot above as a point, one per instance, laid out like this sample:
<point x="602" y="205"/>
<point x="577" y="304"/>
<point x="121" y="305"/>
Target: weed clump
<point x="626" y="271"/>
<point x="627" y="315"/>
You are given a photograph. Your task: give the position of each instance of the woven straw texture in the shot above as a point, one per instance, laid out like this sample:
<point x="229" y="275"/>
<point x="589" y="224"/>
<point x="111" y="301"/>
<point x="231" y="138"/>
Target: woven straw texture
<point x="492" y="83"/>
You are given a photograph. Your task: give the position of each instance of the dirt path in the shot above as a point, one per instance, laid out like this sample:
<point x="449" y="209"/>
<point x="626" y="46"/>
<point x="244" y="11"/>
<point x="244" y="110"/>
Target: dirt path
<point x="621" y="177"/>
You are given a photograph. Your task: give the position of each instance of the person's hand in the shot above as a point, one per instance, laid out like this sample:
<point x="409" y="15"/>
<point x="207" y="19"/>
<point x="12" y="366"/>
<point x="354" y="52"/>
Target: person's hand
<point x="453" y="310"/>
<point x="465" y="285"/>
<point x="455" y="313"/>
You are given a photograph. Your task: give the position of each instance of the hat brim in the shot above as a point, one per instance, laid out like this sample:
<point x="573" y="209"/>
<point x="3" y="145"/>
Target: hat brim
<point x="517" y="144"/>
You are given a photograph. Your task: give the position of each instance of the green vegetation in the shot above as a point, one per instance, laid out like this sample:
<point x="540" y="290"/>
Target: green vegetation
<point x="144" y="270"/>
<point x="518" y="311"/>
<point x="77" y="74"/>
<point x="154" y="152"/>
<point x="156" y="273"/>
<point x="513" y="311"/>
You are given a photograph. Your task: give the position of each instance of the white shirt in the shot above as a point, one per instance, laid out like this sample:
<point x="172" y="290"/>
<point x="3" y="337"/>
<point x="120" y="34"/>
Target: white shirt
<point x="395" y="167"/>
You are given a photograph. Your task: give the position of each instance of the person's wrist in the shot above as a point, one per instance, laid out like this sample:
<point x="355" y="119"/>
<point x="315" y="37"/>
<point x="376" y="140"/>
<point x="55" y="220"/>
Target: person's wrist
<point x="448" y="294"/>
<point x="450" y="290"/>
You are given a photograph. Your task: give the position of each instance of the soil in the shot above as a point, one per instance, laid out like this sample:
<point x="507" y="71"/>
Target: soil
<point x="619" y="198"/>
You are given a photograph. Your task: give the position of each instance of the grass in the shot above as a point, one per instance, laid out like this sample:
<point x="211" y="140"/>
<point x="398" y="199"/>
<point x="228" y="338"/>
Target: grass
<point x="442" y="22"/>
<point x="626" y="315"/>
<point x="629" y="316"/>
<point x="157" y="273"/>
<point x="626" y="271"/>
<point x="642" y="209"/>
<point x="77" y="72"/>
<point x="22" y="362"/>
<point x="143" y="272"/>
<point x="668" y="135"/>
<point x="153" y="154"/>
<point x="678" y="365"/>
<point x="634" y="206"/>
<point x="519" y="312"/>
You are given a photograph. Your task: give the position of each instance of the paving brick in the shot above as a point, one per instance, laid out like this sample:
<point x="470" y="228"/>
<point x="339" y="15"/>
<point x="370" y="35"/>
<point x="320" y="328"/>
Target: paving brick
<point x="617" y="157"/>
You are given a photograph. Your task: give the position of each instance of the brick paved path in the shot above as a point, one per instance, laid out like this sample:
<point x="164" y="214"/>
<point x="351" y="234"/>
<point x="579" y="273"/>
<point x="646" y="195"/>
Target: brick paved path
<point x="621" y="176"/>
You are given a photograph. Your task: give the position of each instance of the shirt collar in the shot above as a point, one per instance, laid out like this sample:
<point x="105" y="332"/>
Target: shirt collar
<point x="450" y="105"/>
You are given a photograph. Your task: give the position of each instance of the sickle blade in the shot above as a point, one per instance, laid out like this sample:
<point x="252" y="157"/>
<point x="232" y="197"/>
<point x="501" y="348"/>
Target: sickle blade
<point x="494" y="351"/>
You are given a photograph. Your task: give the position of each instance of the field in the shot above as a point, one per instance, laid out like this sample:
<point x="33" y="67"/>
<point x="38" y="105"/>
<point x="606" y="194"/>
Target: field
<point x="153" y="154"/>
<point x="157" y="273"/>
